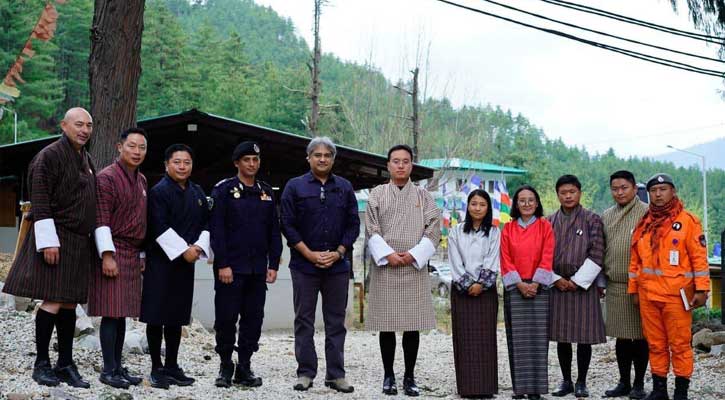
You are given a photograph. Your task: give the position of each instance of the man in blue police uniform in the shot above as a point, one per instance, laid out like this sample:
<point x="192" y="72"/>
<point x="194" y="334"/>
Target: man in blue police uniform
<point x="321" y="223"/>
<point x="246" y="242"/>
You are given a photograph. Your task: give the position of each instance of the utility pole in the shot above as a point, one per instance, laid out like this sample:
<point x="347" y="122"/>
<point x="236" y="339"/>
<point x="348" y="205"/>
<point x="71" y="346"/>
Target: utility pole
<point x="415" y="118"/>
<point x="315" y="72"/>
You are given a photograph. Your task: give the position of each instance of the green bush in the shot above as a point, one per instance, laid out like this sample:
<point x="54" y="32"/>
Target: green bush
<point x="706" y="314"/>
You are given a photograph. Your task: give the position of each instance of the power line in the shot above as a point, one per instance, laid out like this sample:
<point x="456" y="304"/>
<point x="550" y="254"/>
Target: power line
<point x="603" y="33"/>
<point x="630" y="53"/>
<point x="635" y="21"/>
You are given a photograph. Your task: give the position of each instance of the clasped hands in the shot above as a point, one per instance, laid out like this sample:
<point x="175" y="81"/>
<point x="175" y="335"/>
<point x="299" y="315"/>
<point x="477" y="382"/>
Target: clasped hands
<point x="400" y="259"/>
<point x="323" y="259"/>
<point x="528" y="289"/>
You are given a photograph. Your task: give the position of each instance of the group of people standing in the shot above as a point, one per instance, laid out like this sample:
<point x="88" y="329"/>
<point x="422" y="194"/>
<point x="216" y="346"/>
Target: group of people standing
<point x="554" y="271"/>
<point x="102" y="239"/>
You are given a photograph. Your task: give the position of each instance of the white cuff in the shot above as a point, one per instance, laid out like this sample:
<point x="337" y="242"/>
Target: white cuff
<point x="203" y="242"/>
<point x="172" y="244"/>
<point x="379" y="249"/>
<point x="555" y="277"/>
<point x="104" y="241"/>
<point x="142" y="254"/>
<point x="45" y="235"/>
<point x="586" y="274"/>
<point x="422" y="252"/>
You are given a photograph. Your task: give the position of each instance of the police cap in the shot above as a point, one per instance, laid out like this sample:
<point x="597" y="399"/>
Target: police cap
<point x="657" y="179"/>
<point x="245" y="149"/>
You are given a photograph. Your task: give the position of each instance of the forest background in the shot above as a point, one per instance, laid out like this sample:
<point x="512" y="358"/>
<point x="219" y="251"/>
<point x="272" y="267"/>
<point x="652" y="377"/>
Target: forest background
<point x="240" y="60"/>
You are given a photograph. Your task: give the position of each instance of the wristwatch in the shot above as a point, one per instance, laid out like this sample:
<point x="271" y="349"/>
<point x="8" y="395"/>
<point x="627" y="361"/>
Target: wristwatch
<point x="342" y="255"/>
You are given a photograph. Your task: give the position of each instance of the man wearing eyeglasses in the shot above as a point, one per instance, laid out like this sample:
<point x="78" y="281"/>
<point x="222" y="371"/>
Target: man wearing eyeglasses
<point x="320" y="221"/>
<point x="245" y="240"/>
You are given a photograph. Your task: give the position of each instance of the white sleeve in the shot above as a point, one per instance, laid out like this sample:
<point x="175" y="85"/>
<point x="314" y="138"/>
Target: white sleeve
<point x="104" y="240"/>
<point x="45" y="234"/>
<point x="172" y="244"/>
<point x="204" y="243"/>
<point x="379" y="249"/>
<point x="422" y="252"/>
<point x="586" y="274"/>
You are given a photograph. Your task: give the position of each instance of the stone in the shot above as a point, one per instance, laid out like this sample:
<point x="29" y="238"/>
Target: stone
<point x="716" y="350"/>
<point x="84" y="325"/>
<point x="702" y="339"/>
<point x="718" y="338"/>
<point x="59" y="394"/>
<point x="7" y="301"/>
<point x="133" y="342"/>
<point x="89" y="342"/>
<point x="18" y="396"/>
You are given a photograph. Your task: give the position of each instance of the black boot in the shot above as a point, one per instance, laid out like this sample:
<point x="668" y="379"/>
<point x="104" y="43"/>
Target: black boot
<point x="226" y="370"/>
<point x="659" y="389"/>
<point x="70" y="375"/>
<point x="176" y="376"/>
<point x="43" y="374"/>
<point x="637" y="392"/>
<point x="622" y="389"/>
<point x="681" y="386"/>
<point x="245" y="377"/>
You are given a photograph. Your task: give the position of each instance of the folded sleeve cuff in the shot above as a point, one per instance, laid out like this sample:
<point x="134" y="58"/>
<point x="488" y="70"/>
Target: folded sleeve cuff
<point x="379" y="249"/>
<point x="543" y="277"/>
<point x="172" y="244"/>
<point x="465" y="282"/>
<point x="205" y="245"/>
<point x="587" y="274"/>
<point x="422" y="252"/>
<point x="510" y="280"/>
<point x="45" y="234"/>
<point x="142" y="254"/>
<point x="104" y="240"/>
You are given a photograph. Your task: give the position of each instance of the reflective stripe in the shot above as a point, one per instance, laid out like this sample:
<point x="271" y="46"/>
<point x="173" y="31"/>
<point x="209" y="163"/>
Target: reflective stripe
<point x="651" y="271"/>
<point x="699" y="273"/>
<point x="632" y="275"/>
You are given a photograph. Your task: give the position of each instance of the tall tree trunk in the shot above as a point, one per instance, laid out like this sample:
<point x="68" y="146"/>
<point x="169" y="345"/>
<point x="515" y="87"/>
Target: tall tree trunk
<point x="315" y="71"/>
<point x="416" y="116"/>
<point x="114" y="71"/>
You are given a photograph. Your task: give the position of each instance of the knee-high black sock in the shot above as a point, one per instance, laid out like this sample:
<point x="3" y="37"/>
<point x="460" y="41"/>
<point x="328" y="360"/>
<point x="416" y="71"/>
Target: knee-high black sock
<point x="387" y="351"/>
<point x="66" y="326"/>
<point x="624" y="349"/>
<point x="411" y="342"/>
<point x="583" y="359"/>
<point x="120" y="339"/>
<point x="154" y="335"/>
<point x="564" y="352"/>
<point x="641" y="358"/>
<point x="172" y="335"/>
<point x="108" y="343"/>
<point x="44" y="324"/>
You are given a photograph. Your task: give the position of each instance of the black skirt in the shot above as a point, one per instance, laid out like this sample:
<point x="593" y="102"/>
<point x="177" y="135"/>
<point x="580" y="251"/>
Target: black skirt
<point x="474" y="342"/>
<point x="168" y="290"/>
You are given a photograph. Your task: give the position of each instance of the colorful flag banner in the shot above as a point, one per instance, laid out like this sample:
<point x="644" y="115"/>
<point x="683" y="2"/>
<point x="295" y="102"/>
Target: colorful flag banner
<point x="501" y="204"/>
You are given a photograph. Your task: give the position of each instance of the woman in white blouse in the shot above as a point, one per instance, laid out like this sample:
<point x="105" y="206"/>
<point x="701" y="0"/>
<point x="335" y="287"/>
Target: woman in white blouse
<point x="473" y="252"/>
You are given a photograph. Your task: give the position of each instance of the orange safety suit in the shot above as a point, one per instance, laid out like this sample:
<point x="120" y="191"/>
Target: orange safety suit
<point x="680" y="263"/>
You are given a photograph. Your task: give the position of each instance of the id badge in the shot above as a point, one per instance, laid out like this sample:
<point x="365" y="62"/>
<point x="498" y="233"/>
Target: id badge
<point x="674" y="257"/>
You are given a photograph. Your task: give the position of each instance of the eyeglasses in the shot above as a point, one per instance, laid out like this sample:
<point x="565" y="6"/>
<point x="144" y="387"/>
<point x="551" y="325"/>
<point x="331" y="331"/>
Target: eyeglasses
<point x="322" y="195"/>
<point x="526" y="202"/>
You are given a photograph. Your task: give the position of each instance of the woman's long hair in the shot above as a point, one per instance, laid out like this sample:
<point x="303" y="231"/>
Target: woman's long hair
<point x="487" y="219"/>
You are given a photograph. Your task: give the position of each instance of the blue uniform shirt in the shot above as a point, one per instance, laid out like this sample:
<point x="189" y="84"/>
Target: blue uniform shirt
<point x="321" y="216"/>
<point x="244" y="227"/>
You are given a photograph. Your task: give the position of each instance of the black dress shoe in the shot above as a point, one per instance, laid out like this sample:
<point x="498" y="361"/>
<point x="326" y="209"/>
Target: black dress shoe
<point x="637" y="392"/>
<point x="225" y="375"/>
<point x="113" y="379"/>
<point x="176" y="376"/>
<point x="158" y="379"/>
<point x="389" y="386"/>
<point x="622" y="389"/>
<point x="244" y="376"/>
<point x="132" y="380"/>
<point x="70" y="375"/>
<point x="534" y="396"/>
<point x="580" y="390"/>
<point x="43" y="374"/>
<point x="410" y="388"/>
<point x="565" y="387"/>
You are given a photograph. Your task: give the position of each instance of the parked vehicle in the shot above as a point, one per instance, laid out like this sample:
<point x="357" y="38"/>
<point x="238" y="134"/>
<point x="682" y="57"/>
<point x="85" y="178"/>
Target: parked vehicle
<point x="440" y="278"/>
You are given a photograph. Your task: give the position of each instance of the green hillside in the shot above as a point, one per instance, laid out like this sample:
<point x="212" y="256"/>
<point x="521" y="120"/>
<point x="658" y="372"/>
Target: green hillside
<point x="244" y="61"/>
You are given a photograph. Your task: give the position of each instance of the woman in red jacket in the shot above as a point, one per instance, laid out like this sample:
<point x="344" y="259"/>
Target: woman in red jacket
<point x="527" y="250"/>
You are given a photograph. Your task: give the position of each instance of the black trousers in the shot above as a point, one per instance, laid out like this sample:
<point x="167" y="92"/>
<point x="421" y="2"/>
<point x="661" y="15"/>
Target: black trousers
<point x="306" y="289"/>
<point x="242" y="302"/>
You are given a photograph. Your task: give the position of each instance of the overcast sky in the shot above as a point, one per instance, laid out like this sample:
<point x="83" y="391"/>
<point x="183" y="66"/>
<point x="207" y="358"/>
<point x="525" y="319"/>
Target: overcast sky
<point x="584" y="95"/>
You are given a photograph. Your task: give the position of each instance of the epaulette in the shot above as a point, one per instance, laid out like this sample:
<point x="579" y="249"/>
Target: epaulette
<point x="265" y="184"/>
<point x="222" y="181"/>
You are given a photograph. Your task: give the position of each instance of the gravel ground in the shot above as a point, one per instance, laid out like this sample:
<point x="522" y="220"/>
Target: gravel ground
<point x="276" y="364"/>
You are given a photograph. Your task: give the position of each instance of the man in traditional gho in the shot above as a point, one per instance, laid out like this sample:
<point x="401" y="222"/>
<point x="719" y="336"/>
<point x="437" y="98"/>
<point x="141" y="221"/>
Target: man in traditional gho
<point x="668" y="277"/>
<point x="246" y="242"/>
<point x="177" y="237"/>
<point x="402" y="227"/>
<point x="575" y="314"/>
<point x="54" y="260"/>
<point x="115" y="289"/>
<point x="320" y="221"/>
<point x="623" y="319"/>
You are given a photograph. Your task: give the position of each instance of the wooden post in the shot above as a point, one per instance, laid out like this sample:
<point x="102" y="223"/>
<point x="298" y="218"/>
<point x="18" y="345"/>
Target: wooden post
<point x="24" y="226"/>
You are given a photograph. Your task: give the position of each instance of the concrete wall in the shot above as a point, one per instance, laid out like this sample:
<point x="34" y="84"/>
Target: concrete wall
<point x="8" y="237"/>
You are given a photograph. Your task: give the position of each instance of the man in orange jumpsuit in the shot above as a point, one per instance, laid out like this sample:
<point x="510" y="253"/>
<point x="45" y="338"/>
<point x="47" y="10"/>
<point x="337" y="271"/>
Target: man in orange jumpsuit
<point x="668" y="276"/>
